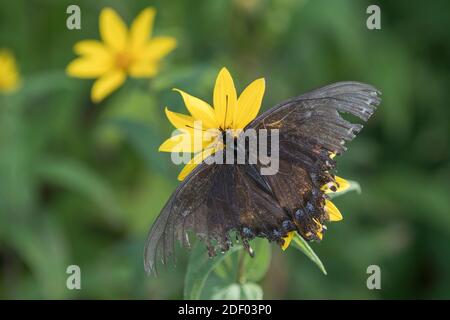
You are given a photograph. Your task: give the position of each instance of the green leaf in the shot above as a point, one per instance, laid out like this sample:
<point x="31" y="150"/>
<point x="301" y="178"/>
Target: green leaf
<point x="354" y="186"/>
<point x="199" y="268"/>
<point x="231" y="292"/>
<point x="246" y="291"/>
<point x="304" y="247"/>
<point x="251" y="291"/>
<point x="255" y="268"/>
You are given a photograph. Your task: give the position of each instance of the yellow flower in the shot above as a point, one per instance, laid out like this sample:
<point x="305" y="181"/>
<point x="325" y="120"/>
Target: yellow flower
<point x="230" y="112"/>
<point x="121" y="52"/>
<point x="9" y="75"/>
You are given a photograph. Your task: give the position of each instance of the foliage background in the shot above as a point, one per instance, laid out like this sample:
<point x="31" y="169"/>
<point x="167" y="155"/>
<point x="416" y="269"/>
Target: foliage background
<point x="82" y="183"/>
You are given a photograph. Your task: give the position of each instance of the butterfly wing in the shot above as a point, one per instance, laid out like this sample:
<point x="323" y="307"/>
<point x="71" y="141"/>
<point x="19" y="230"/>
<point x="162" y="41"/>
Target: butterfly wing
<point x="211" y="202"/>
<point x="311" y="129"/>
<point x="314" y="116"/>
<point x="186" y="199"/>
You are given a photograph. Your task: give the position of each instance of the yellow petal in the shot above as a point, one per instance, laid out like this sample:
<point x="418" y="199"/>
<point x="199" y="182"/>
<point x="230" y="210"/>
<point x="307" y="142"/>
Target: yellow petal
<point x="339" y="185"/>
<point x="143" y="69"/>
<point x="194" y="162"/>
<point x="183" y="142"/>
<point x="333" y="213"/>
<point x="141" y="28"/>
<point x="179" y="120"/>
<point x="176" y="143"/>
<point x="88" y="67"/>
<point x="320" y="235"/>
<point x="113" y="30"/>
<point x="105" y="85"/>
<point x="91" y="48"/>
<point x="249" y="103"/>
<point x="287" y="240"/>
<point x="342" y="184"/>
<point x="157" y="48"/>
<point x="225" y="99"/>
<point x="199" y="109"/>
<point x="319" y="232"/>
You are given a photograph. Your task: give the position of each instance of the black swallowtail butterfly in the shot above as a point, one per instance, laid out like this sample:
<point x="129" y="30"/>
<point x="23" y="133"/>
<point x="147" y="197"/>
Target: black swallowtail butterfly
<point x="215" y="199"/>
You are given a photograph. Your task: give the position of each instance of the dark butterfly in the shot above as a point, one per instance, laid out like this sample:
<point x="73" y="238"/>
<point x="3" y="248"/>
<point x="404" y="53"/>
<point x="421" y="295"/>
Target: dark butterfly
<point x="215" y="200"/>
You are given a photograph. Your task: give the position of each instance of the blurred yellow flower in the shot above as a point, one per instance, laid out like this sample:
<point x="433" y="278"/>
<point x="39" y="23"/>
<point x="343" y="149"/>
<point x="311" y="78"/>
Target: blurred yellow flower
<point x="229" y="113"/>
<point x="9" y="75"/>
<point x="121" y="52"/>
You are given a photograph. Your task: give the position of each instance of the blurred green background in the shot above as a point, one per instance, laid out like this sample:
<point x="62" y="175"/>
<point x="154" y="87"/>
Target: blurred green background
<point x="82" y="183"/>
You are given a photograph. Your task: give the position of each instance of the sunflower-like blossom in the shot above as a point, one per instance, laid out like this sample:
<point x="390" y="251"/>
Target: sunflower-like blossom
<point x="200" y="132"/>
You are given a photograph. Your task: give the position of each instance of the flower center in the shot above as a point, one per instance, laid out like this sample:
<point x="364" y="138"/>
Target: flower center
<point x="123" y="60"/>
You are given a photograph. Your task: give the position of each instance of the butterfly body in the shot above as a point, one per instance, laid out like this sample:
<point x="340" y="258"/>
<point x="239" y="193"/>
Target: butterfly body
<point x="217" y="199"/>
